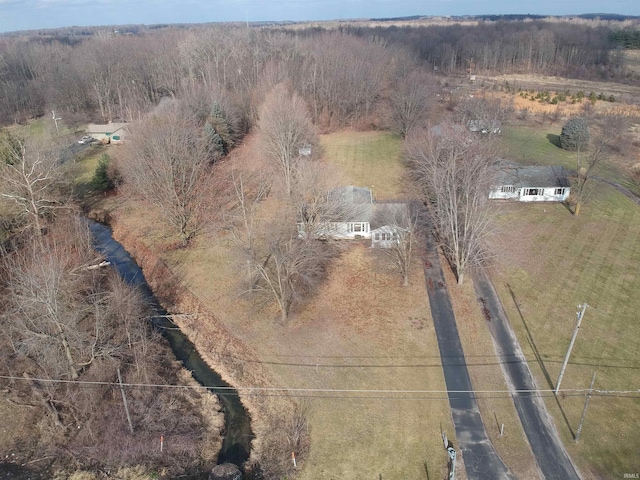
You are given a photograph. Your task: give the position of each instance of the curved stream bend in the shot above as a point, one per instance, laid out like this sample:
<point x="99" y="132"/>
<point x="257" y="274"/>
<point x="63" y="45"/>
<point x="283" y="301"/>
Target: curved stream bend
<point x="236" y="444"/>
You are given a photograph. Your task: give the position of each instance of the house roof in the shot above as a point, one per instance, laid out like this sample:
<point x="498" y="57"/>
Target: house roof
<point x="107" y="129"/>
<point x="531" y="176"/>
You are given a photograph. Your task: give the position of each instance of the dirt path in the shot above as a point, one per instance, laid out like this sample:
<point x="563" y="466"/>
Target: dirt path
<point x="550" y="454"/>
<point x="480" y="458"/>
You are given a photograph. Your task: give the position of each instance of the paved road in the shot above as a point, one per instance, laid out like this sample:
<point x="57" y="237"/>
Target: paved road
<point x="550" y="454"/>
<point x="480" y="459"/>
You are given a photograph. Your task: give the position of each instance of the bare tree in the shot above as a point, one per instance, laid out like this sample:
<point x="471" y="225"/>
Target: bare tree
<point x="50" y="298"/>
<point x="587" y="164"/>
<point x="455" y="169"/>
<point x="401" y="224"/>
<point x="411" y="101"/>
<point x="285" y="127"/>
<point x="32" y="179"/>
<point x="484" y="115"/>
<point x="167" y="163"/>
<point x="285" y="268"/>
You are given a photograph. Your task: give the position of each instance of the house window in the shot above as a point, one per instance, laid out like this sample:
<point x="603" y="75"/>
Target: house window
<point x="559" y="191"/>
<point x="376" y="236"/>
<point x="507" y="189"/>
<point x="357" y="227"/>
<point x="532" y="191"/>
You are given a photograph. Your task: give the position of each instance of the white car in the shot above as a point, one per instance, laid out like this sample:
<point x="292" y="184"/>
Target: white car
<point x="87" y="139"/>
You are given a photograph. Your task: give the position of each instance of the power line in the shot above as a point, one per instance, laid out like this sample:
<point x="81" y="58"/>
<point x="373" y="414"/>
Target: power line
<point x="332" y="392"/>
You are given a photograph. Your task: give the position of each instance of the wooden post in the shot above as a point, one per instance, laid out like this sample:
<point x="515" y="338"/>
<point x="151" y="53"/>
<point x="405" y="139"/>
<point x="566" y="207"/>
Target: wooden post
<point x="584" y="410"/>
<point x="124" y="400"/>
<point x="293" y="457"/>
<point x="161" y="442"/>
<point x="583" y="307"/>
<point x="502" y="429"/>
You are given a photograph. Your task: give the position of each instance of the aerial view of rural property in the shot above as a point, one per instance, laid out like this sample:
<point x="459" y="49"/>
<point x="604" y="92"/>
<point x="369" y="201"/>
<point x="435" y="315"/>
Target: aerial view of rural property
<point x="319" y="240"/>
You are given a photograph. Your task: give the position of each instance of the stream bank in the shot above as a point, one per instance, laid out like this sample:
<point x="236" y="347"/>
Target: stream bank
<point x="236" y="446"/>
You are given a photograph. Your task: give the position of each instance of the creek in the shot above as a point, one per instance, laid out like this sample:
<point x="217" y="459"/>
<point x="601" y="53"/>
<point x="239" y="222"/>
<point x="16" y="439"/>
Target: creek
<point x="236" y="445"/>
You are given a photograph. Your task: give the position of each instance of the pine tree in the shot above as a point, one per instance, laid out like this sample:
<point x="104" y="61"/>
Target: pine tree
<point x="575" y="134"/>
<point x="101" y="180"/>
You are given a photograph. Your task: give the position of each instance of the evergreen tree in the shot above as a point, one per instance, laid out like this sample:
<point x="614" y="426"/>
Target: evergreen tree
<point x="101" y="180"/>
<point x="575" y="134"/>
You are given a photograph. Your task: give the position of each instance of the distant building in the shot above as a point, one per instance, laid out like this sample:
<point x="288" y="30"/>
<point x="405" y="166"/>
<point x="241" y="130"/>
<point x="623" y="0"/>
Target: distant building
<point x="531" y="183"/>
<point x="108" y="133"/>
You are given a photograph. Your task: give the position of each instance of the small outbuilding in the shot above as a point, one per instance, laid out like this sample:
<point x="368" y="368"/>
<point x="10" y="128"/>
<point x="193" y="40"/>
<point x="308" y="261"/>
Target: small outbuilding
<point x="531" y="183"/>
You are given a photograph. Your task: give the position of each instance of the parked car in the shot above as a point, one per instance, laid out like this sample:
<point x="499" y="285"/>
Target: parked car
<point x="87" y="139"/>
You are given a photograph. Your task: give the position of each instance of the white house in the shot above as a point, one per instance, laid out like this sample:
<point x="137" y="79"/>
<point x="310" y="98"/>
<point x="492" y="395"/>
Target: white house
<point x="361" y="218"/>
<point x="531" y="184"/>
<point x="357" y="209"/>
<point x="108" y="133"/>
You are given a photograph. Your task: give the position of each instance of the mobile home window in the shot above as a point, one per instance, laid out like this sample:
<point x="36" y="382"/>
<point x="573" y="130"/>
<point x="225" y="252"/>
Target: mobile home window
<point x="533" y="191"/>
<point x="507" y="189"/>
<point x="559" y="191"/>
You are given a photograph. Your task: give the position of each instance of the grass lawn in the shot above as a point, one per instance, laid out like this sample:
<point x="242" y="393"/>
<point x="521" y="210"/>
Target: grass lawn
<point x="367" y="159"/>
<point x="550" y="262"/>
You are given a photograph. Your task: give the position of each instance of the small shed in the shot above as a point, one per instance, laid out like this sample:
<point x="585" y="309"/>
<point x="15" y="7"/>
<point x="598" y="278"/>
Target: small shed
<point x="531" y="183"/>
<point x="108" y="133"/>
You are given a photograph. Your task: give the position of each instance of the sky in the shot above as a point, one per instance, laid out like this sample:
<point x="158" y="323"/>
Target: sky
<point x="36" y="14"/>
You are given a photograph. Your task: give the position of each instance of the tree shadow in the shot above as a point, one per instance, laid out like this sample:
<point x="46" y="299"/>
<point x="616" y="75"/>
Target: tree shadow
<point x="536" y="353"/>
<point x="554" y="139"/>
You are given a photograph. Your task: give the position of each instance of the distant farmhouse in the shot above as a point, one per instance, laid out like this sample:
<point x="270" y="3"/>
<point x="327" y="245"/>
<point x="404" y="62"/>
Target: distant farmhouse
<point x="531" y="184"/>
<point x="108" y="133"/>
<point x="360" y="218"/>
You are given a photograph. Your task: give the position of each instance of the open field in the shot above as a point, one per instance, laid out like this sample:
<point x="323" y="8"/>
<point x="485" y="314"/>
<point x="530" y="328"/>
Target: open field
<point x="622" y="92"/>
<point x="632" y="60"/>
<point x="550" y="261"/>
<point x="361" y="330"/>
<point x="367" y="159"/>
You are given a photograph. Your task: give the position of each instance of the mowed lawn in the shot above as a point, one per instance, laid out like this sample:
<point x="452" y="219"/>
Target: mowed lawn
<point x="360" y="331"/>
<point x="367" y="159"/>
<point x="549" y="262"/>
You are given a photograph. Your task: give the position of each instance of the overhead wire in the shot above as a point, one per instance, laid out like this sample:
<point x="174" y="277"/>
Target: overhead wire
<point x="347" y="393"/>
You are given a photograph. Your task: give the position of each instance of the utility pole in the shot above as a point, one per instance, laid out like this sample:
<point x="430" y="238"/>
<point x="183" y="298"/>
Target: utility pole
<point x="580" y="314"/>
<point x="586" y="404"/>
<point x="124" y="400"/>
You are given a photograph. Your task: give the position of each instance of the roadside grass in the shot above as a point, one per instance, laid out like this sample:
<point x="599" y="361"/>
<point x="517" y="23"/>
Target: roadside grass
<point x="539" y="146"/>
<point x="486" y="374"/>
<point x="369" y="159"/>
<point x="360" y="331"/>
<point x="551" y="261"/>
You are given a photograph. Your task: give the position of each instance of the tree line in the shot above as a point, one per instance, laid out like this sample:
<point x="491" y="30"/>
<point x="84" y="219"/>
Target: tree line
<point x="342" y="75"/>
